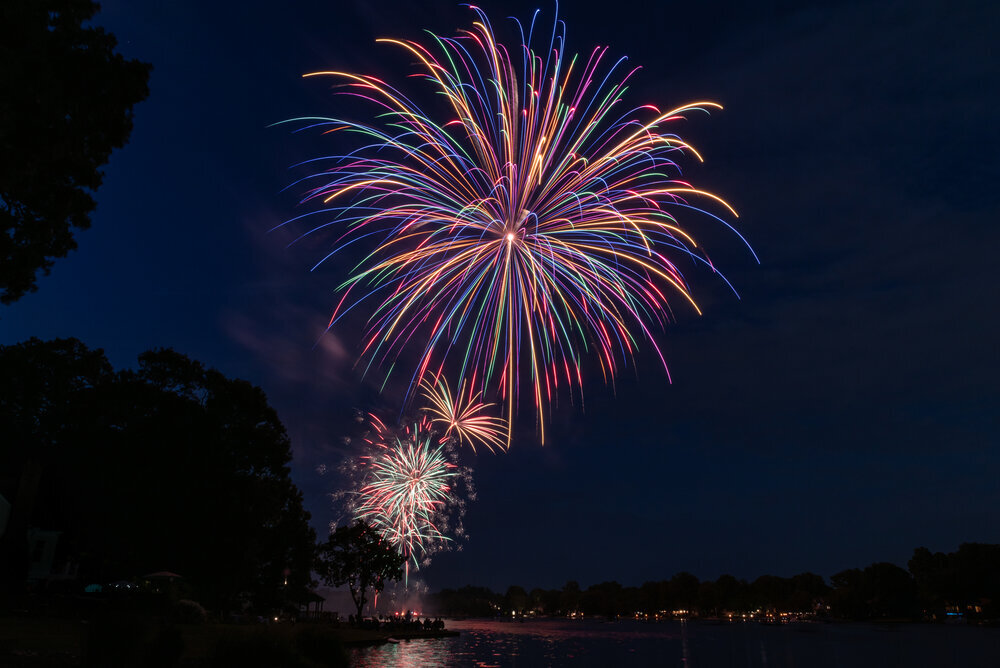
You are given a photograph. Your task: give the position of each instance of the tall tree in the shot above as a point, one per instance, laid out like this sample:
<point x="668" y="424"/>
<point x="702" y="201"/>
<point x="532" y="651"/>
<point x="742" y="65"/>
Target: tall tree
<point x="684" y="590"/>
<point x="220" y="456"/>
<point x="47" y="391"/>
<point x="604" y="599"/>
<point x="516" y="599"/>
<point x="172" y="466"/>
<point x="570" y="597"/>
<point x="357" y="556"/>
<point x="67" y="103"/>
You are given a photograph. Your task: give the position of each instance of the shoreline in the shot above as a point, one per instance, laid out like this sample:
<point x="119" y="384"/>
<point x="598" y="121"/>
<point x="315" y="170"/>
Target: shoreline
<point x="29" y="640"/>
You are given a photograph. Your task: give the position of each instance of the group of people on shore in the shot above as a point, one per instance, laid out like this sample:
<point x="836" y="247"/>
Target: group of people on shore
<point x="405" y="622"/>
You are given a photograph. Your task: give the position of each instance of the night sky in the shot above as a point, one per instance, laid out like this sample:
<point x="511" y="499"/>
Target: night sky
<point x="841" y="411"/>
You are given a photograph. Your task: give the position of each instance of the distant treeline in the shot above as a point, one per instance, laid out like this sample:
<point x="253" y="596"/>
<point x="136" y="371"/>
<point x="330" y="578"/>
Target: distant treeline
<point x="963" y="583"/>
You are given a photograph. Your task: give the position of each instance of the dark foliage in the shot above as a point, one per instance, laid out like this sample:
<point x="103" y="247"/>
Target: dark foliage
<point x="358" y="557"/>
<point x="169" y="467"/>
<point x="468" y="601"/>
<point x="45" y="389"/>
<point x="67" y="103"/>
<point x="959" y="581"/>
<point x="881" y="590"/>
<point x="516" y="600"/>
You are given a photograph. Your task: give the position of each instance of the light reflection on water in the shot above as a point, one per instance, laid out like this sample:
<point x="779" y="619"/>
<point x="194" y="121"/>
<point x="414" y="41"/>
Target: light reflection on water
<point x="495" y="644"/>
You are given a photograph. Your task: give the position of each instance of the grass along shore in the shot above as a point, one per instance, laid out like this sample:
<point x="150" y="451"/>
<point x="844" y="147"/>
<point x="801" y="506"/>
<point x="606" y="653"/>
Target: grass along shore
<point x="47" y="641"/>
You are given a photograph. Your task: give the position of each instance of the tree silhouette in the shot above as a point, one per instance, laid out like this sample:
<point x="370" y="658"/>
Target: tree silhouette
<point x="172" y="466"/>
<point x="516" y="599"/>
<point x="357" y="556"/>
<point x="968" y="579"/>
<point x="67" y="103"/>
<point x="570" y="597"/>
<point x="45" y="389"/>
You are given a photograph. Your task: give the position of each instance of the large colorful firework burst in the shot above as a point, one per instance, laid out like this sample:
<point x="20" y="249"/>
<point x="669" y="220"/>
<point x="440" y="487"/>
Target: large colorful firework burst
<point x="531" y="225"/>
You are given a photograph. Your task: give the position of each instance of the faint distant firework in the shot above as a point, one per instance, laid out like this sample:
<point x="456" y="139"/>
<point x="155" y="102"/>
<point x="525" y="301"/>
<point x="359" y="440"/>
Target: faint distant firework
<point x="525" y="222"/>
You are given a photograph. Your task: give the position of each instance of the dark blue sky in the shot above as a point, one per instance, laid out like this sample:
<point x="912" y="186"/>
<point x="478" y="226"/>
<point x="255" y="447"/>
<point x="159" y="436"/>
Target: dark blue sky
<point x="844" y="411"/>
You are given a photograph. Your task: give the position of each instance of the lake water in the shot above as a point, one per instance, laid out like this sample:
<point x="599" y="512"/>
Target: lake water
<point x="555" y="642"/>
